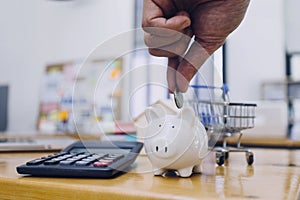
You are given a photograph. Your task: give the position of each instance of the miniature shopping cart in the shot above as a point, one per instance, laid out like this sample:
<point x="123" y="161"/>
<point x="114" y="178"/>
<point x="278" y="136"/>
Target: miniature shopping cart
<point x="222" y="119"/>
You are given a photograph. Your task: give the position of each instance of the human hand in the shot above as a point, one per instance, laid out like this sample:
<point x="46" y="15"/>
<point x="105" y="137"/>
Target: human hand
<point x="169" y="26"/>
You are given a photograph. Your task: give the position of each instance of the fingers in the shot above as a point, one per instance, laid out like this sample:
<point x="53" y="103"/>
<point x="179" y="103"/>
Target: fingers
<point x="213" y="22"/>
<point x="155" y="16"/>
<point x="166" y="27"/>
<point x="164" y="42"/>
<point x="193" y="60"/>
<point x="177" y="48"/>
<point x="163" y="36"/>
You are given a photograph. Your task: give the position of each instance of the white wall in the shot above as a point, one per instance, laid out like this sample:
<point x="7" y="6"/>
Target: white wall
<point x="256" y="50"/>
<point x="292" y="15"/>
<point x="36" y="32"/>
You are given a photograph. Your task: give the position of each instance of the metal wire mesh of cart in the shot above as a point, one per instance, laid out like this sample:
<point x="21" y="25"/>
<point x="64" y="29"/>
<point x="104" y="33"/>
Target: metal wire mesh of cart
<point x="222" y="118"/>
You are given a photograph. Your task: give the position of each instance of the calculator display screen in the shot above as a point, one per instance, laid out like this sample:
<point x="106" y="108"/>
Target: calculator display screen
<point x="100" y="150"/>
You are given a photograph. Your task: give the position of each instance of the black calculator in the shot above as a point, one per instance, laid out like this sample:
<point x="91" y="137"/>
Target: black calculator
<point x="89" y="159"/>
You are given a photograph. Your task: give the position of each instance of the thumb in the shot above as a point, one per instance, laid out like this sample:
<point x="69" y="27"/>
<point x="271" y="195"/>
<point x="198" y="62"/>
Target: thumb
<point x="191" y="63"/>
<point x="171" y="72"/>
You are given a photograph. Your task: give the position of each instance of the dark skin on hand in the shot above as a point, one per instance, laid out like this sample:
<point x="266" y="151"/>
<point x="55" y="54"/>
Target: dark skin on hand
<point x="169" y="26"/>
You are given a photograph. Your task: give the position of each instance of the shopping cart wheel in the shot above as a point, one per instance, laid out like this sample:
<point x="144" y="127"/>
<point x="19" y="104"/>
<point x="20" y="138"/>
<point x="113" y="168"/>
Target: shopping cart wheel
<point x="226" y="155"/>
<point x="220" y="158"/>
<point x="250" y="158"/>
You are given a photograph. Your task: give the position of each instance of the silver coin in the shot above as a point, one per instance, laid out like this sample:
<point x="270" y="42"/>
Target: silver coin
<point x="178" y="98"/>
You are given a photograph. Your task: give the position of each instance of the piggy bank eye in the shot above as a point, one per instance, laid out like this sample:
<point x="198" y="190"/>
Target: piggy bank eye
<point x="173" y="126"/>
<point x="159" y="125"/>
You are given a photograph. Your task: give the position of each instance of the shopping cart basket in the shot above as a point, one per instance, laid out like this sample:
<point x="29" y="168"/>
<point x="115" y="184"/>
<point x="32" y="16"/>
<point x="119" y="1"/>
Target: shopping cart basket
<point x="223" y="119"/>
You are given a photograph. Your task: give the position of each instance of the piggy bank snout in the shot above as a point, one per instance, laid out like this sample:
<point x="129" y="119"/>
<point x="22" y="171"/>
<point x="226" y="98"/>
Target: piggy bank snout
<point x="162" y="149"/>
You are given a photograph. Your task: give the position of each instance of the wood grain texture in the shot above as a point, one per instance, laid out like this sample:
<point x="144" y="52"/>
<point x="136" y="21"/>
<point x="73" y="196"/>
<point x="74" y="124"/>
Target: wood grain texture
<point x="275" y="174"/>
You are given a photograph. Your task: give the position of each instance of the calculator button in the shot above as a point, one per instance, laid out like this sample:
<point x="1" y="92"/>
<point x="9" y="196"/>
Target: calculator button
<point x="63" y="157"/>
<point x="58" y="154"/>
<point x="74" y="158"/>
<point x="35" y="162"/>
<point x="96" y="156"/>
<point x="66" y="162"/>
<point x="116" y="155"/>
<point x="51" y="162"/>
<point x="48" y="157"/>
<point x="54" y="155"/>
<point x="79" y="157"/>
<point x="86" y="154"/>
<point x="57" y="159"/>
<point x="71" y="159"/>
<point x="105" y="161"/>
<point x="88" y="160"/>
<point x="113" y="158"/>
<point x="100" y="164"/>
<point x="81" y="163"/>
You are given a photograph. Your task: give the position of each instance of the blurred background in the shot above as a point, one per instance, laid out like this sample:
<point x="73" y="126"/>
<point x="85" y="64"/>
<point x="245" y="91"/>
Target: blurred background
<point x="45" y="43"/>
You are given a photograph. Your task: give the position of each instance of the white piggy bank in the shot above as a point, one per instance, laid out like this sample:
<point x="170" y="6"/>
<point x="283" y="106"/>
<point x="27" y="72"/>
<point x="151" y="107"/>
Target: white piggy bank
<point x="174" y="142"/>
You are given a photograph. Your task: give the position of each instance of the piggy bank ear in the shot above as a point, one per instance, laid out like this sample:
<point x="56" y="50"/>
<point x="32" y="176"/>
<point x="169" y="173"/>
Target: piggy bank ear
<point x="154" y="112"/>
<point x="187" y="113"/>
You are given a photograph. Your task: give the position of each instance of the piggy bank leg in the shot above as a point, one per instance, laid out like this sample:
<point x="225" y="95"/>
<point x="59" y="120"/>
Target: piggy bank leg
<point x="197" y="169"/>
<point x="158" y="172"/>
<point x="185" y="172"/>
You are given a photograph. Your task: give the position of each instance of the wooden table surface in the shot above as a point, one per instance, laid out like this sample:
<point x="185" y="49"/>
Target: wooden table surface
<point x="275" y="174"/>
<point x="265" y="142"/>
